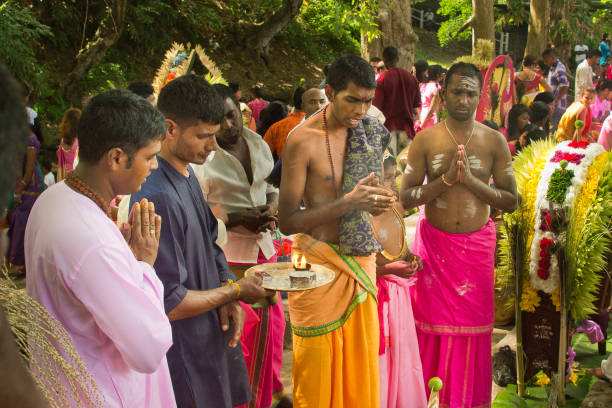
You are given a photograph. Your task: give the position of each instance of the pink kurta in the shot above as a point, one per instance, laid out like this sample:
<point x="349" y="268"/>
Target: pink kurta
<point x="110" y="303"/>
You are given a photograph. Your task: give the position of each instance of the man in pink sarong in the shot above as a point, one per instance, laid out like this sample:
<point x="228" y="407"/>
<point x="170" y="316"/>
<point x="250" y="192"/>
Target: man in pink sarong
<point x="453" y="298"/>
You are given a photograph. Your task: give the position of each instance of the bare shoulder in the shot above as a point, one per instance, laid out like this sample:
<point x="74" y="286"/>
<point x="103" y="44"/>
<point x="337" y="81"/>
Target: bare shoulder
<point x="302" y="136"/>
<point x="428" y="136"/>
<point x="491" y="136"/>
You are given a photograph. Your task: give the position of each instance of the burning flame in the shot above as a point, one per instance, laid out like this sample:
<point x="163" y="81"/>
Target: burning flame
<point x="298" y="261"/>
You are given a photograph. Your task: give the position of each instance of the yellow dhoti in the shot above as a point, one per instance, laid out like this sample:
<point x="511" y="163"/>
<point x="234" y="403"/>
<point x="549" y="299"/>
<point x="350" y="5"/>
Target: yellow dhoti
<point x="336" y="334"/>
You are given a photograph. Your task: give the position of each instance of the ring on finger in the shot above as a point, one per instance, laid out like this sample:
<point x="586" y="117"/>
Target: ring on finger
<point x="375" y="197"/>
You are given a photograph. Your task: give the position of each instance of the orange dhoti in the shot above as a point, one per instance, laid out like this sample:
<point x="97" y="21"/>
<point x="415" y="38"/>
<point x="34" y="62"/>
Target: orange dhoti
<point x="335" y="332"/>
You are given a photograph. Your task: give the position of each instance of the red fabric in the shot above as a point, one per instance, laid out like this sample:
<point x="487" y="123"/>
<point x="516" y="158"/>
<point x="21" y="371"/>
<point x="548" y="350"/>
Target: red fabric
<point x="397" y="95"/>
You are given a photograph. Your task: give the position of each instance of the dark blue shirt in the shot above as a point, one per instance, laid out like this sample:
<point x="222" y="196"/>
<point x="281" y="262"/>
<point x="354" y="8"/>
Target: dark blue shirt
<point x="205" y="371"/>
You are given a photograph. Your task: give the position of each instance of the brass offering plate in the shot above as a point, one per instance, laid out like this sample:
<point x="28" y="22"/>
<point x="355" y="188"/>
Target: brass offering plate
<point x="276" y="276"/>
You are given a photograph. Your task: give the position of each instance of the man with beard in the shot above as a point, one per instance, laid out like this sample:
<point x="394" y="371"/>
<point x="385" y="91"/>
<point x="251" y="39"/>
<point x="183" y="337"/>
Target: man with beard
<point x="234" y="183"/>
<point x="453" y="299"/>
<point x="201" y="295"/>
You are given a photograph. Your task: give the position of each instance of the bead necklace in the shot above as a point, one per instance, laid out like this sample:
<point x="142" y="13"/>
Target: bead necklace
<point x="78" y="185"/>
<point x="329" y="155"/>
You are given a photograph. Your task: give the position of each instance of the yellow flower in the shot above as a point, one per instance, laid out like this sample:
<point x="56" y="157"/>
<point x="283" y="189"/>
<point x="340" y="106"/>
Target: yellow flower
<point x="529" y="299"/>
<point x="555" y="297"/>
<point x="573" y="378"/>
<point x="585" y="198"/>
<point x="542" y="379"/>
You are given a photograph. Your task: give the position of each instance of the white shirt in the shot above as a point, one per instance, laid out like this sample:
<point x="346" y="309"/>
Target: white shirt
<point x="584" y="76"/>
<point x="224" y="181"/>
<point x="580" y="47"/>
<point x="49" y="179"/>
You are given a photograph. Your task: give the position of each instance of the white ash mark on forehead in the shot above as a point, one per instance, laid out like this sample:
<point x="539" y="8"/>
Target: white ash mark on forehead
<point x="440" y="203"/>
<point x="468" y="81"/>
<point x="408" y="169"/>
<point x="470" y="208"/>
<point x="475" y="162"/>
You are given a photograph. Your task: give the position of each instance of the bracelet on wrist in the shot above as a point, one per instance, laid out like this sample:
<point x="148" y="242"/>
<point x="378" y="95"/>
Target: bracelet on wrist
<point x="232" y="283"/>
<point x="446" y="182"/>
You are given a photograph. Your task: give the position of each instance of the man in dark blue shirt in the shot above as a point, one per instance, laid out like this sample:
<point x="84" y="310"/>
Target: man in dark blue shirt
<point x="206" y="361"/>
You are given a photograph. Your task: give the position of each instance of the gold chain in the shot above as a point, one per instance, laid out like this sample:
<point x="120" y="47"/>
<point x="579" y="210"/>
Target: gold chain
<point x="453" y="137"/>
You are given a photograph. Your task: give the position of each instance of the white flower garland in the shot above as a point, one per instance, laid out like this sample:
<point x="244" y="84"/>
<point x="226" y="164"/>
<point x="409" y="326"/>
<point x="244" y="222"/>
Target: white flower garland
<point x="590" y="152"/>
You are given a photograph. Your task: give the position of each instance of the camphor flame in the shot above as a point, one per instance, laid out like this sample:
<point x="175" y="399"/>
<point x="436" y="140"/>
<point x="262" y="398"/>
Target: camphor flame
<point x="298" y="261"/>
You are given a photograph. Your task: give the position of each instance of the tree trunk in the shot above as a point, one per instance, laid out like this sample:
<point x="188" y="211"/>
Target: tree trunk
<point x="558" y="16"/>
<point x="482" y="22"/>
<point x="395" y="24"/>
<point x="264" y="33"/>
<point x="539" y="25"/>
<point x="107" y="34"/>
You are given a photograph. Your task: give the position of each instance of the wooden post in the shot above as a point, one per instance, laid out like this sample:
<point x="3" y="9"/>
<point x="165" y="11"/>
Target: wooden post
<point x="421" y="17"/>
<point x="563" y="330"/>
<point x="517" y="261"/>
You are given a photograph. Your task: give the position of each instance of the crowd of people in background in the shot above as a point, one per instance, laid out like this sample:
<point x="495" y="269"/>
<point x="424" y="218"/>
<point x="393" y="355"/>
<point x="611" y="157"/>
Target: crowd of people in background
<point x="195" y="181"/>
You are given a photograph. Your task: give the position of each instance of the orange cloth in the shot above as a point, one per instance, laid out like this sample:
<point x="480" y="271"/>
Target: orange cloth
<point x="276" y="136"/>
<point x="566" y="128"/>
<point x="336" y="335"/>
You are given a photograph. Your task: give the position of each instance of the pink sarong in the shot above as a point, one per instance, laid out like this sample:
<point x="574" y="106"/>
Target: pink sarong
<point x="401" y="374"/>
<point x="453" y="310"/>
<point x="262" y="345"/>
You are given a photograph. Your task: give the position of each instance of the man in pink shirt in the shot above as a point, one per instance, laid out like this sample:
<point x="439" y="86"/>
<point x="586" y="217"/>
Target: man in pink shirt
<point x="98" y="280"/>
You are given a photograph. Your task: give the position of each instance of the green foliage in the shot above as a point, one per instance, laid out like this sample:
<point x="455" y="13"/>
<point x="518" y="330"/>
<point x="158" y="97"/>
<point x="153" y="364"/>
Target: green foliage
<point x="458" y="12"/>
<point x="588" y="246"/>
<point x="326" y="28"/>
<point x="20" y="31"/>
<point x="515" y="15"/>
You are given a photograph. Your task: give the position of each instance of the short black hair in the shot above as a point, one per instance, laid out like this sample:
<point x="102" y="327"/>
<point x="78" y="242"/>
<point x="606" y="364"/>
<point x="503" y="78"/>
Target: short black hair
<point x="141" y="89"/>
<point x="420" y="67"/>
<point x="13" y="133"/>
<point x="190" y="98"/>
<point x="546" y="97"/>
<point x="351" y="68"/>
<point x="390" y="54"/>
<point x="257" y="91"/>
<point x="234" y="86"/>
<point x="529" y="60"/>
<point x="491" y="124"/>
<point x="603" y="84"/>
<point x="549" y="51"/>
<point x="593" y="53"/>
<point x="539" y="110"/>
<point x="375" y="59"/>
<point x="117" y="118"/>
<point x="226" y="92"/>
<point x="434" y="72"/>
<point x="297" y="96"/>
<point x="465" y="69"/>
